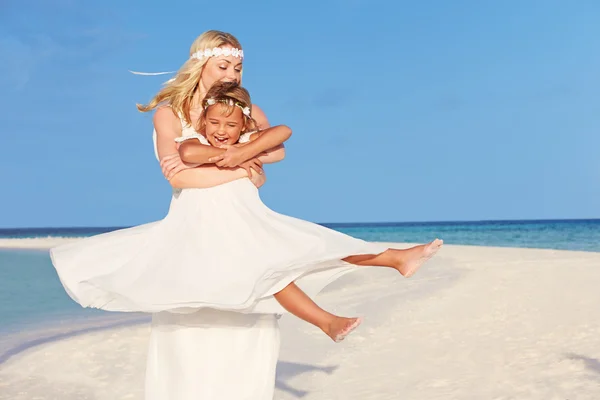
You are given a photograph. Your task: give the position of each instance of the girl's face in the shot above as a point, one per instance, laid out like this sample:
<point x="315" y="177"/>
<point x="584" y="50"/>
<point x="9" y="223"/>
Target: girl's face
<point x="222" y="129"/>
<point x="221" y="68"/>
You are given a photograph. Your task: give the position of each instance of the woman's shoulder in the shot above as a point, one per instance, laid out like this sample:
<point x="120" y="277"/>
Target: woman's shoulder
<point x="165" y="113"/>
<point x="260" y="117"/>
<point x="166" y="120"/>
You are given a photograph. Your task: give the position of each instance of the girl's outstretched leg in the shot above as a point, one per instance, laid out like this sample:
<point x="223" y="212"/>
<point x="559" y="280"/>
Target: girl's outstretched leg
<point x="294" y="300"/>
<point x="405" y="261"/>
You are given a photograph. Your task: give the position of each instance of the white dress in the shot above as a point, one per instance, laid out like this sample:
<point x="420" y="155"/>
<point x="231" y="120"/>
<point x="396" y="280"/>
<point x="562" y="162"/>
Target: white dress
<point x="212" y="354"/>
<point x="208" y="272"/>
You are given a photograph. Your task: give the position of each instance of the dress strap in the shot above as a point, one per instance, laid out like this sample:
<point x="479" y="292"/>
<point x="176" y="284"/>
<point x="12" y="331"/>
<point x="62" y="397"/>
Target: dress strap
<point x="245" y="137"/>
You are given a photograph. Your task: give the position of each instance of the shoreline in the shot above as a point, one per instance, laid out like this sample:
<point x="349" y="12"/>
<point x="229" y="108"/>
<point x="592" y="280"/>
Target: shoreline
<point x="41" y="243"/>
<point x="46" y="243"/>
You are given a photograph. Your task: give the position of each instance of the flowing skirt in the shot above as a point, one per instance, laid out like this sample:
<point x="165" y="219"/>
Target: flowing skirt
<point x="220" y="248"/>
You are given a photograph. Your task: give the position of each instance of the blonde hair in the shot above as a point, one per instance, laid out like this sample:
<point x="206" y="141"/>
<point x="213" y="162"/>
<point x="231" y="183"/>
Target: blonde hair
<point x="228" y="95"/>
<point x="179" y="91"/>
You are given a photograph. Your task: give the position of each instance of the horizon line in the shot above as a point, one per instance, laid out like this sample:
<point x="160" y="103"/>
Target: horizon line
<point x="380" y="223"/>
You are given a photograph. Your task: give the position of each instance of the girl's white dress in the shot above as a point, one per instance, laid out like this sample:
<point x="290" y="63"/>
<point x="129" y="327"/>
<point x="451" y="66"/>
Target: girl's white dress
<point x="208" y="272"/>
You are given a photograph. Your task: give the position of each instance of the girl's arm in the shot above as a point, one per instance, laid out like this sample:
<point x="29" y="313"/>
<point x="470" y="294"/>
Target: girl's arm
<point x="271" y="139"/>
<point x="200" y="154"/>
<point x="192" y="151"/>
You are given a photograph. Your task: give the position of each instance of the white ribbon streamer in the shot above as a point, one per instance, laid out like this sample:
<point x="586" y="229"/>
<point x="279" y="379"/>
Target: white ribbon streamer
<point x="152" y="73"/>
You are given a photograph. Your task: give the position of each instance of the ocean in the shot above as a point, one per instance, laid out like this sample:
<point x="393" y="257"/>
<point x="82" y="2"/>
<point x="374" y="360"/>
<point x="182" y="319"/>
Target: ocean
<point x="34" y="307"/>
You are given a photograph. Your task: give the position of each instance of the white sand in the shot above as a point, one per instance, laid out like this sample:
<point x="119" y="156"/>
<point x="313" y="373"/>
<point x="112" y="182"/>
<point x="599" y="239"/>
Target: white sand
<point x="34" y="243"/>
<point x="479" y="323"/>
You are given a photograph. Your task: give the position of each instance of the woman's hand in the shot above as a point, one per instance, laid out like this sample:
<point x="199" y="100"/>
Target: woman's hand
<point x="253" y="165"/>
<point x="233" y="156"/>
<point x="257" y="179"/>
<point x="172" y="164"/>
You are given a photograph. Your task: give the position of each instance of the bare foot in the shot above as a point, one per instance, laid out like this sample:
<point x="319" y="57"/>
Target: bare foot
<point x="411" y="259"/>
<point x="341" y="327"/>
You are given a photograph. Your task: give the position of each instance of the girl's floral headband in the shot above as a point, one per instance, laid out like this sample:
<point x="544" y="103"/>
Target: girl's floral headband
<point x="211" y="102"/>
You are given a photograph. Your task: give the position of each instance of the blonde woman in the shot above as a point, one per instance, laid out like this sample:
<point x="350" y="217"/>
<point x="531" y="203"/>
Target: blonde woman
<point x="193" y="353"/>
<point x="184" y="95"/>
<point x="214" y="326"/>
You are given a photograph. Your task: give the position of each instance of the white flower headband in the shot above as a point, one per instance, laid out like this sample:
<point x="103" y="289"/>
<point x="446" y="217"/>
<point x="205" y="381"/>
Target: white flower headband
<point x="218" y="51"/>
<point x="199" y="55"/>
<point x="230" y="102"/>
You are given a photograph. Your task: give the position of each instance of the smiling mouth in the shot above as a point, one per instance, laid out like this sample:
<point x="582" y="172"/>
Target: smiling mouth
<point x="220" y="140"/>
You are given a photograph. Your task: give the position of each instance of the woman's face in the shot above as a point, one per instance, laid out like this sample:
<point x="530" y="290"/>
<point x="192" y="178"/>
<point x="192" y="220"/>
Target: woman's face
<point x="221" y="68"/>
<point x="222" y="129"/>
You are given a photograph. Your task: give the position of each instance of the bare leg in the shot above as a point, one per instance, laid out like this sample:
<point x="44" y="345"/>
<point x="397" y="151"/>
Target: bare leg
<point x="294" y="300"/>
<point x="405" y="261"/>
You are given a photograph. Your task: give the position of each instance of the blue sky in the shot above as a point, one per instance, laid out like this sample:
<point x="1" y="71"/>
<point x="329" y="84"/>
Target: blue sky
<point x="401" y="111"/>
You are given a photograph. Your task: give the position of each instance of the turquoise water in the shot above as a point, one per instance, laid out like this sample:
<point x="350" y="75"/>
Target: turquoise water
<point x="581" y="235"/>
<point x="34" y="308"/>
<point x="33" y="302"/>
<point x="30" y="291"/>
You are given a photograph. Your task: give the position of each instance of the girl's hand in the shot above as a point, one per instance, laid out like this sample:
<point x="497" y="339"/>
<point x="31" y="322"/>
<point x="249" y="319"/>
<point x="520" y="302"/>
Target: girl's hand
<point x="172" y="164"/>
<point x="234" y="156"/>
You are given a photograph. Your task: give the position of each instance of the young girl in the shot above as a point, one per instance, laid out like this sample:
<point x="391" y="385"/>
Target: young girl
<point x="226" y="124"/>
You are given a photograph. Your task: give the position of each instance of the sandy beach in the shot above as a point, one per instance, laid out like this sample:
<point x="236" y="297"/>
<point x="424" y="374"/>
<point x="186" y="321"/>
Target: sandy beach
<point x="477" y="323"/>
<point x="34" y="243"/>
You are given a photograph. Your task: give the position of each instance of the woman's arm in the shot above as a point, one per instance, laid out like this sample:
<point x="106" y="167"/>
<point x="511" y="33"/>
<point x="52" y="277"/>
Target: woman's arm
<point x="209" y="176"/>
<point x="206" y="176"/>
<point x="275" y="154"/>
<point x="168" y="127"/>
